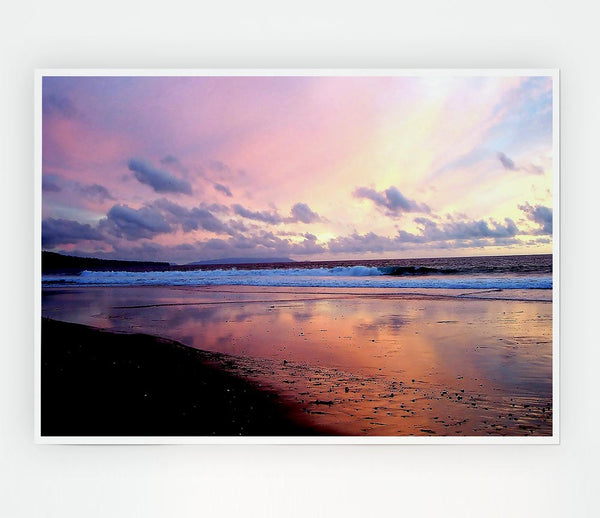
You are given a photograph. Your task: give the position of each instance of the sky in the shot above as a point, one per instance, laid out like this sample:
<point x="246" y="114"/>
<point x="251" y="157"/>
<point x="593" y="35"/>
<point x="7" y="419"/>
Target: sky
<point x="185" y="169"/>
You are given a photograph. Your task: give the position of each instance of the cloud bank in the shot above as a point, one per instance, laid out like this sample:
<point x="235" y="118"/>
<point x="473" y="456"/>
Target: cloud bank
<point x="299" y="213"/>
<point x="540" y="215"/>
<point x="134" y="224"/>
<point x="63" y="232"/>
<point x="52" y="183"/>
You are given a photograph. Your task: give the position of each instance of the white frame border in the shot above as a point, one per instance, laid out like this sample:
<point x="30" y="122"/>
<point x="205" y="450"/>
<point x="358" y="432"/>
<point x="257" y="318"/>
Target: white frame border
<point x="439" y="72"/>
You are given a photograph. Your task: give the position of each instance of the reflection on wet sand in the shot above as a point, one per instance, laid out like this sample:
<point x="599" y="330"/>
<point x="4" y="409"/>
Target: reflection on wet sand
<point x="359" y="362"/>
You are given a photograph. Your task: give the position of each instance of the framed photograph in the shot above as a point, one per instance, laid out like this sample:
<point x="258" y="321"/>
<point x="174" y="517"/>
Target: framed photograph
<point x="297" y="256"/>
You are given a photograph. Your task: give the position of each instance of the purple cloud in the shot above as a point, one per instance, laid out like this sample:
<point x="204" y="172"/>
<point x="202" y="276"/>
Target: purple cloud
<point x="302" y="212"/>
<point x="459" y="230"/>
<point x="63" y="232"/>
<point x="392" y="200"/>
<point x="540" y="215"/>
<point x="134" y="224"/>
<point x="506" y="162"/>
<point x="159" y="180"/>
<point x="266" y="217"/>
<point x="223" y="188"/>
<point x="190" y="219"/>
<point x="94" y="192"/>
<point x="510" y="165"/>
<point x="59" y="105"/>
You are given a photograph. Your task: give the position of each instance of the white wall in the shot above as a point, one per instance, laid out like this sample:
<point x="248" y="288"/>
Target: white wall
<point x="57" y="481"/>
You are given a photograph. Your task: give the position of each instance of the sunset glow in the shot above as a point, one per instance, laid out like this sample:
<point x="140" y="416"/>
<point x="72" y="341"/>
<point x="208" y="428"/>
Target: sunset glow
<point x="185" y="169"/>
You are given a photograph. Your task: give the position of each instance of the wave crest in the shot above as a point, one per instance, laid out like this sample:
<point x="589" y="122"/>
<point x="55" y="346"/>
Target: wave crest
<point x="340" y="276"/>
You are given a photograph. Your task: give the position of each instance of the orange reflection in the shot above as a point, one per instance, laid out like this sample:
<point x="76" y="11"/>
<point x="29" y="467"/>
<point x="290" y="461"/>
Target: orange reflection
<point x="359" y="362"/>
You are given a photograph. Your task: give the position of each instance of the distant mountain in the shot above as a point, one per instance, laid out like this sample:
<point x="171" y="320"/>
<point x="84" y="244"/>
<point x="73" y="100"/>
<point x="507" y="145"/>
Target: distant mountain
<point x="243" y="260"/>
<point x="58" y="263"/>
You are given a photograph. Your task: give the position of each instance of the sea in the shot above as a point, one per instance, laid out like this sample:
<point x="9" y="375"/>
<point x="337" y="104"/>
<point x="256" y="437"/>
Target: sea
<point x="521" y="272"/>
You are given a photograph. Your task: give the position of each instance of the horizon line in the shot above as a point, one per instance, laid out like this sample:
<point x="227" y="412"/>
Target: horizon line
<point x="259" y="260"/>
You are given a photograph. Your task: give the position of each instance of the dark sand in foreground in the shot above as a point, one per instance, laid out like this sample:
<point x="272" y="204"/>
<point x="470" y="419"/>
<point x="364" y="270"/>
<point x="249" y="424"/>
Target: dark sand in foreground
<point x="98" y="383"/>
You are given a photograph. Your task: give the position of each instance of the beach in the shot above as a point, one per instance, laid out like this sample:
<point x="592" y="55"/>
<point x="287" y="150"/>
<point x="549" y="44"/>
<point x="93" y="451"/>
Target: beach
<point x="348" y="361"/>
<point x="98" y="383"/>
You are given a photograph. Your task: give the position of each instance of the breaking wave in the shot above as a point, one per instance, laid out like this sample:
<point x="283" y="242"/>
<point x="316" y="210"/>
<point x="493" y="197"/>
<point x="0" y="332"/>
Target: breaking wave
<point x="339" y="276"/>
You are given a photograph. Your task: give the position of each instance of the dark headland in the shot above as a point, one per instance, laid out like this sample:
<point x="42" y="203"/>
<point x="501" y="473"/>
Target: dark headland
<point x="99" y="383"/>
<point x="55" y="263"/>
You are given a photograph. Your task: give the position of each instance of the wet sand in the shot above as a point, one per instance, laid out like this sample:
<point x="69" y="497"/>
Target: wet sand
<point x="357" y="362"/>
<point x="97" y="383"/>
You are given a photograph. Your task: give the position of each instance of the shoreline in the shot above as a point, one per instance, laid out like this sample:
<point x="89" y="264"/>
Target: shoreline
<point x="103" y="383"/>
<point x="309" y="293"/>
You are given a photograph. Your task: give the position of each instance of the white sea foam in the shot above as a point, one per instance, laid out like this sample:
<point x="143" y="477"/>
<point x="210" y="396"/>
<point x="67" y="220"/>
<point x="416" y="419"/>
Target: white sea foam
<point x="348" y="277"/>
